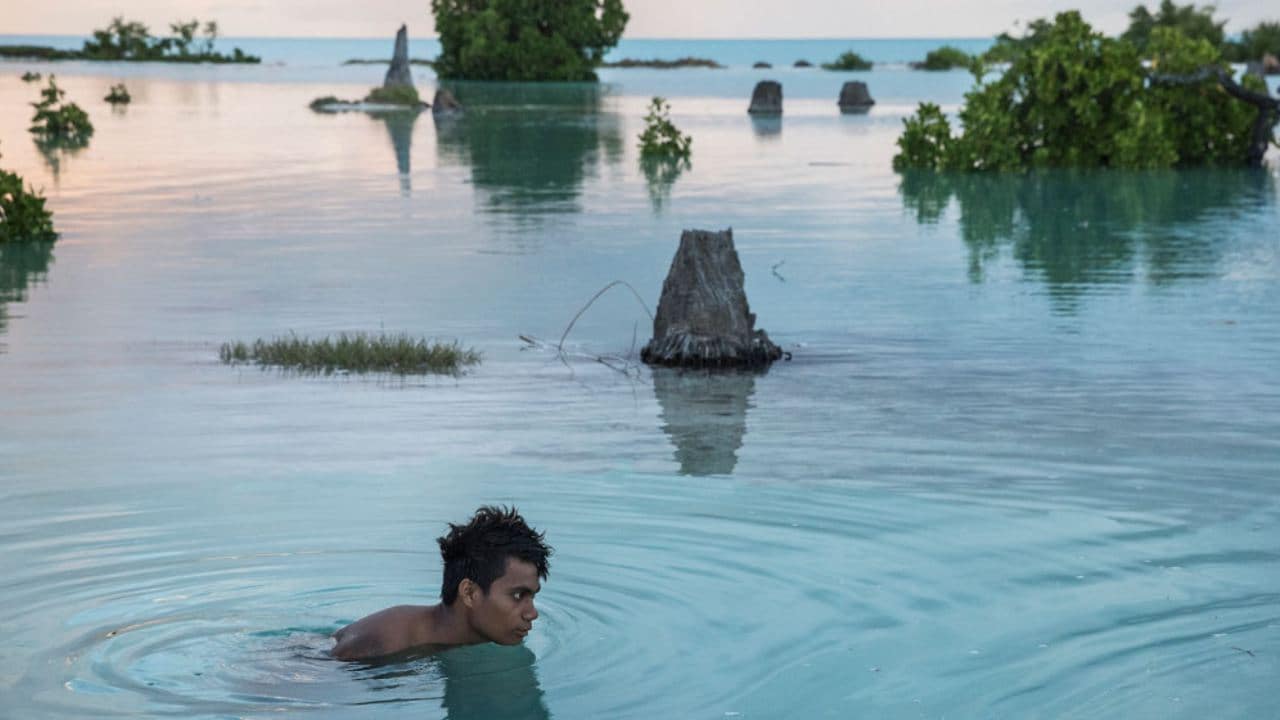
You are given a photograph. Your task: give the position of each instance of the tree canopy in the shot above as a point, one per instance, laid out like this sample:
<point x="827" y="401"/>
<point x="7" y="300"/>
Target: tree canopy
<point x="1072" y="97"/>
<point x="563" y="40"/>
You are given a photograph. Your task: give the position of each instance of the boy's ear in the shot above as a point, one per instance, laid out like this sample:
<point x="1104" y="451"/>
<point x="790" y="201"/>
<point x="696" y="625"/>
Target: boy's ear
<point x="467" y="592"/>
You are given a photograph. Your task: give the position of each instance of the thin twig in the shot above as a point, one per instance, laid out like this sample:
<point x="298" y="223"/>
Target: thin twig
<point x="603" y="290"/>
<point x="775" y="272"/>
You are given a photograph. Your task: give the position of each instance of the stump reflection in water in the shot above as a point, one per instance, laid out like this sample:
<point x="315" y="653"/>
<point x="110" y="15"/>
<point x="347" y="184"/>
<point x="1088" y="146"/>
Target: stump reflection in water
<point x="704" y="413"/>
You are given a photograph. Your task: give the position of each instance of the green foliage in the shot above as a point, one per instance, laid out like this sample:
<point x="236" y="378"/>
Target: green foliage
<point x="132" y="40"/>
<point x="1074" y="98"/>
<point x="29" y="76"/>
<point x="60" y="122"/>
<point x="525" y="39"/>
<point x="360" y="352"/>
<point x="1192" y="22"/>
<point x="395" y="95"/>
<point x="23" y="216"/>
<point x="945" y="58"/>
<point x="848" y="60"/>
<point x="661" y="138"/>
<point x="1262" y="39"/>
<point x="118" y="95"/>
<point x="36" y="52"/>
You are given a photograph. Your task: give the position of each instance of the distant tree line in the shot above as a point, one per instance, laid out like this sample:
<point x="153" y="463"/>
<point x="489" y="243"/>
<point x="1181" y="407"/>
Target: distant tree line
<point x="129" y="40"/>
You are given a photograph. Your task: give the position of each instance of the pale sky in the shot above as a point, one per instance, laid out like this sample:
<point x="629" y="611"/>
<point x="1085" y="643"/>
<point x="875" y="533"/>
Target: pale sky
<point x="649" y="18"/>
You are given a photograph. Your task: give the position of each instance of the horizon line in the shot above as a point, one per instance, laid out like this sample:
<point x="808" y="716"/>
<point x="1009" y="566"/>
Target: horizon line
<point x="639" y="37"/>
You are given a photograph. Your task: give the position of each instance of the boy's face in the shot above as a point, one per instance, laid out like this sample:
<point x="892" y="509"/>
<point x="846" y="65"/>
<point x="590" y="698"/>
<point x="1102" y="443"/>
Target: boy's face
<point x="506" y="613"/>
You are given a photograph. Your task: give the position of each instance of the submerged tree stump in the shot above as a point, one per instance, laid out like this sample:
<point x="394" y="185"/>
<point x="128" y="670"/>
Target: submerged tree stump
<point x="766" y="99"/>
<point x="855" y="98"/>
<point x="398" y="74"/>
<point x="703" y="319"/>
<point x="445" y="103"/>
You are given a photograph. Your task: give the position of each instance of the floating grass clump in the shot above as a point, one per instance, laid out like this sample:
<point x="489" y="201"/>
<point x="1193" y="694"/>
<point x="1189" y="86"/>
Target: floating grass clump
<point x="30" y="76"/>
<point x="60" y="122"/>
<point x="358" y="352"/>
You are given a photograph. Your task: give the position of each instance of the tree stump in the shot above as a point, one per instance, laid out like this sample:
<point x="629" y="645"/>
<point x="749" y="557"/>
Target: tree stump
<point x="766" y="99"/>
<point x="445" y="103"/>
<point x="398" y="74"/>
<point x="855" y="98"/>
<point x="703" y="318"/>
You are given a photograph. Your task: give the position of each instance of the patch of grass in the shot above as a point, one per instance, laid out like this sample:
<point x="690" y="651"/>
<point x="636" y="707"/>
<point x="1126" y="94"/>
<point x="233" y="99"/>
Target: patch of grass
<point x="358" y="352"/>
<point x="397" y="95"/>
<point x="119" y="95"/>
<point x="320" y="103"/>
<point x="848" y="60"/>
<point x="29" y="76"/>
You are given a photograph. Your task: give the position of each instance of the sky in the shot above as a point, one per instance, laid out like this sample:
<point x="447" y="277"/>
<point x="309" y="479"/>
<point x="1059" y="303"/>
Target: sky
<point x="649" y="18"/>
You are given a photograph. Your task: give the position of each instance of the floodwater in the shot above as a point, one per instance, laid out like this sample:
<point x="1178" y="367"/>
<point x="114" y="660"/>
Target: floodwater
<point x="1022" y="463"/>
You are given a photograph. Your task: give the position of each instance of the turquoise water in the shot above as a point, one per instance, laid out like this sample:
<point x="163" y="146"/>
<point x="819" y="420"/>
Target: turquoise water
<point x="1022" y="463"/>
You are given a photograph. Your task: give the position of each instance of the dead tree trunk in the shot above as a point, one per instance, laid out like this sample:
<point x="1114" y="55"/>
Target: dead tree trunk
<point x="398" y="74"/>
<point x="1268" y="107"/>
<point x="703" y="319"/>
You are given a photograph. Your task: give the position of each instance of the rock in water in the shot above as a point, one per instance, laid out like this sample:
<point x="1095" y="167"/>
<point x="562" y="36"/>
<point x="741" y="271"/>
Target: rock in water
<point x="855" y="98"/>
<point x="703" y="319"/>
<point x="445" y="103"/>
<point x="766" y="99"/>
<point x="398" y="74"/>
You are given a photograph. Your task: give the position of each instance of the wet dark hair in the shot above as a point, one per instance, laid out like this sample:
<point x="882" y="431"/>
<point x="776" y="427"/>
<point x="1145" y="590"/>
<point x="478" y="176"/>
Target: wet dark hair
<point x="478" y="551"/>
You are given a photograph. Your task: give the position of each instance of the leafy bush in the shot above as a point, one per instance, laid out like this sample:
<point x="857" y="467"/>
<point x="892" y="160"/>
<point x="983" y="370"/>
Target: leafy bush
<point x="1074" y="98"/>
<point x="1192" y="22"/>
<point x="398" y="354"/>
<point x="23" y="216"/>
<point x="1262" y="39"/>
<point x="661" y="138"/>
<point x="395" y="95"/>
<point x="848" y="60"/>
<point x="945" y="58"/>
<point x="118" y="94"/>
<point x="525" y="39"/>
<point x="59" y="122"/>
<point x="29" y="76"/>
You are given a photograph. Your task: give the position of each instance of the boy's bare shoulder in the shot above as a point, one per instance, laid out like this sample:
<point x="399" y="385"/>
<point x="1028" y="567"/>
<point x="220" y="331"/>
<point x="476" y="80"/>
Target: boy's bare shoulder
<point x="382" y="633"/>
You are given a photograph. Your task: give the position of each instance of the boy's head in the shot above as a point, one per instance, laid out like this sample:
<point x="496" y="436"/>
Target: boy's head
<point x="493" y="565"/>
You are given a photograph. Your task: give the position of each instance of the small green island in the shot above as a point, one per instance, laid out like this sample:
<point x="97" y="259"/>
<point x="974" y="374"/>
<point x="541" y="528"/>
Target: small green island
<point x="131" y="41"/>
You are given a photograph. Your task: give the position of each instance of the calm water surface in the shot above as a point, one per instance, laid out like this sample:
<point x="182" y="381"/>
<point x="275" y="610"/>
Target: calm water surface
<point x="1023" y="463"/>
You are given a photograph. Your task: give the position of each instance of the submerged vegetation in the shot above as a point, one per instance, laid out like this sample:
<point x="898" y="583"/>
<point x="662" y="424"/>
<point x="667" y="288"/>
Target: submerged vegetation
<point x="1072" y="97"/>
<point x="60" y="123"/>
<point x="130" y="40"/>
<point x="946" y="57"/>
<point x="661" y="139"/>
<point x="848" y="60"/>
<point x="23" y="216"/>
<point x="118" y="95"/>
<point x="519" y="40"/>
<point x="684" y="62"/>
<point x="359" y="352"/>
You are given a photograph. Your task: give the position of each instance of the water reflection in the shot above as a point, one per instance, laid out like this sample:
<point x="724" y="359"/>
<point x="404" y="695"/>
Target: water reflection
<point x="530" y="147"/>
<point x="486" y="682"/>
<point x="21" y="264"/>
<point x="705" y="414"/>
<point x="400" y="130"/>
<point x="56" y="152"/>
<point x="1077" y="230"/>
<point x="660" y="175"/>
<point x="767" y="127"/>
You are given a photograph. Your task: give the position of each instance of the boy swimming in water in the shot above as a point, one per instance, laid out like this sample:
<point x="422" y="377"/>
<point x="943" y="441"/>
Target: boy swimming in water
<point x="492" y="571"/>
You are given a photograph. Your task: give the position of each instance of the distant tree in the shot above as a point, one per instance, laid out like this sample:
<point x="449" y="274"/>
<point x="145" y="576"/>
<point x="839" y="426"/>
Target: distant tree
<point x="848" y="60"/>
<point x="563" y="40"/>
<point x="1195" y="23"/>
<point x="1262" y="39"/>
